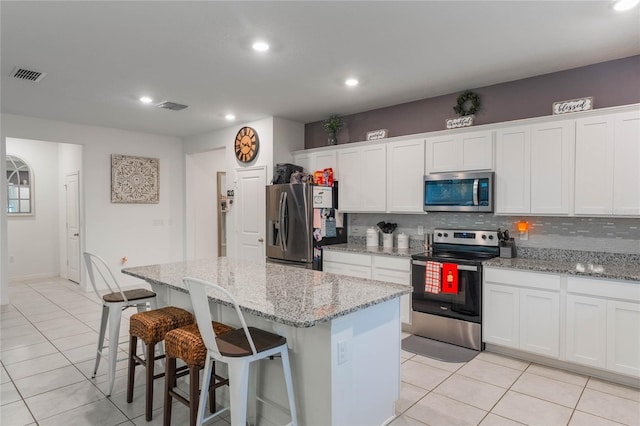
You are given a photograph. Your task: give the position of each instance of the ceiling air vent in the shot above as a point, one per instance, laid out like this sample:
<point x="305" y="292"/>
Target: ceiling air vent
<point x="172" y="106"/>
<point x="25" y="74"/>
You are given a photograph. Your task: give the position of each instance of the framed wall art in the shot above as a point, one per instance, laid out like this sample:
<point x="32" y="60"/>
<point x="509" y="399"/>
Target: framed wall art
<point x="134" y="179"/>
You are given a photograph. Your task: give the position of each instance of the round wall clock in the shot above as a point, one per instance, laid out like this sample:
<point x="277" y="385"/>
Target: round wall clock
<point x="247" y="144"/>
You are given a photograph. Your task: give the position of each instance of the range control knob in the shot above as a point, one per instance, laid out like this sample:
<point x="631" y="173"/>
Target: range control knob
<point x="446" y="235"/>
<point x="439" y="234"/>
<point x="484" y="237"/>
<point x="491" y="237"/>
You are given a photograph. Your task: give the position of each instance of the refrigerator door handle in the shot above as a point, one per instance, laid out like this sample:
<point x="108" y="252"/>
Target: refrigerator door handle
<point x="283" y="224"/>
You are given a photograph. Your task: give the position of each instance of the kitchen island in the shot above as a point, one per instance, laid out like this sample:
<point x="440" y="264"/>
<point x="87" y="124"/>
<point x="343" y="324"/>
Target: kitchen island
<point x="343" y="334"/>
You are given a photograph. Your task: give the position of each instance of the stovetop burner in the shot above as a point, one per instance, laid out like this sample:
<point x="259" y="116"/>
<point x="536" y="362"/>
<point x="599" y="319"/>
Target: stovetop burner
<point x="456" y="245"/>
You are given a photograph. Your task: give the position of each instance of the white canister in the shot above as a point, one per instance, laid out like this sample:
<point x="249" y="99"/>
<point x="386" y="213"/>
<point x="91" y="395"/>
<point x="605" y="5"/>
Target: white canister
<point x="372" y="237"/>
<point x="387" y="240"/>
<point x="403" y="241"/>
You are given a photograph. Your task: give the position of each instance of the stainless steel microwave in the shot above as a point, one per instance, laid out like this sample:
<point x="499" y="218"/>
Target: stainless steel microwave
<point x="458" y="192"/>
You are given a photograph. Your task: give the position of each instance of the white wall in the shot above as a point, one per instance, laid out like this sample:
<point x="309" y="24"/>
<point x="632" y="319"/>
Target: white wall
<point x="278" y="137"/>
<point x="202" y="207"/>
<point x="145" y="233"/>
<point x="33" y="239"/>
<point x="4" y="258"/>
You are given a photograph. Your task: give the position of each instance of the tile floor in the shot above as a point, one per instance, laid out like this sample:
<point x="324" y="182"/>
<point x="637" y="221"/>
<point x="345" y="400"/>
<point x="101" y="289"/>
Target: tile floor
<point x="49" y="331"/>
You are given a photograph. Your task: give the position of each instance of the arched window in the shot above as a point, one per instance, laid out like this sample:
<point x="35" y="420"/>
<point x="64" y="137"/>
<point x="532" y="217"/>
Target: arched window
<point x="19" y="186"/>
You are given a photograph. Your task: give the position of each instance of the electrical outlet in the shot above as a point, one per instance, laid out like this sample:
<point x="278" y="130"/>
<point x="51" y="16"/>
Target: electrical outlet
<point x="420" y="230"/>
<point x="343" y="352"/>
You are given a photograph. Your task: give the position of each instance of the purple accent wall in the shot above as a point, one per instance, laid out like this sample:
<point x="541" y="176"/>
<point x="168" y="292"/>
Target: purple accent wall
<point x="610" y="83"/>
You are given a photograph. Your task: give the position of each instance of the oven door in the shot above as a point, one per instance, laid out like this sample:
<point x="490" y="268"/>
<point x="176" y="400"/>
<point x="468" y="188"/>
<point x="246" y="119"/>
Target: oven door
<point x="464" y="305"/>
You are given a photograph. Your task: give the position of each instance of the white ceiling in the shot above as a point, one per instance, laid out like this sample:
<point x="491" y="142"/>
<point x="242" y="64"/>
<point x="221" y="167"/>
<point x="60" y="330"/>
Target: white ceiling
<point x="100" y="57"/>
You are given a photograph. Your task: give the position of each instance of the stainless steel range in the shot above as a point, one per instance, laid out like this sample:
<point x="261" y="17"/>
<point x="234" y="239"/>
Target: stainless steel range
<point x="452" y="315"/>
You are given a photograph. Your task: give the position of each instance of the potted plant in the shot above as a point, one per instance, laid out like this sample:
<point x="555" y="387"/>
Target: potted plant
<point x="332" y="125"/>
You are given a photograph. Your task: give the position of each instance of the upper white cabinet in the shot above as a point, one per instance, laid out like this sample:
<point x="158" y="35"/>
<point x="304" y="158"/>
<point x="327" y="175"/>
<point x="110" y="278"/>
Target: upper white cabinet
<point x="534" y="168"/>
<point x="319" y="160"/>
<point x="405" y="171"/>
<point x="607" y="171"/>
<point x="363" y="178"/>
<point x="459" y="152"/>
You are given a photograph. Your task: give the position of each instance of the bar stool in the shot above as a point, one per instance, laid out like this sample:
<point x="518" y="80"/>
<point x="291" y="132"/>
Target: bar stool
<point x="185" y="343"/>
<point x="238" y="349"/>
<point x="113" y="303"/>
<point x="151" y="327"/>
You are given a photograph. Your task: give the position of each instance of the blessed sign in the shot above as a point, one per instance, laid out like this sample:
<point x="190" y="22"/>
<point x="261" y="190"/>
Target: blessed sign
<point x="573" y="105"/>
<point x="464" y="121"/>
<point x="377" y="134"/>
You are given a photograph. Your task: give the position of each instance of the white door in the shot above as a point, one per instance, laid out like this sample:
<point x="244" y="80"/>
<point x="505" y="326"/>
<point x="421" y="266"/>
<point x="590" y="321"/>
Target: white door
<point x="623" y="337"/>
<point x="73" y="227"/>
<point x="251" y="213"/>
<point x="626" y="160"/>
<point x="405" y="164"/>
<point x="513" y="170"/>
<point x="586" y="330"/>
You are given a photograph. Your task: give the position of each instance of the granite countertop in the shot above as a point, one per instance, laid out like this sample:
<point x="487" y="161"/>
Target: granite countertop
<point x="614" y="271"/>
<point x="285" y="294"/>
<point x="379" y="250"/>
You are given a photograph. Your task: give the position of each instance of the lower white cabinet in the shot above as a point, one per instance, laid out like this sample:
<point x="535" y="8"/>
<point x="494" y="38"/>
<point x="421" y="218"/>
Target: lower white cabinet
<point x="382" y="268"/>
<point x="518" y="316"/>
<point x="586" y="331"/>
<point x="597" y="325"/>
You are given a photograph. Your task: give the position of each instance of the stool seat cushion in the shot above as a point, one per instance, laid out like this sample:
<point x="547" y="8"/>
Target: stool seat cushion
<point x="235" y="343"/>
<point x="186" y="343"/>
<point x="136" y="294"/>
<point x="151" y="326"/>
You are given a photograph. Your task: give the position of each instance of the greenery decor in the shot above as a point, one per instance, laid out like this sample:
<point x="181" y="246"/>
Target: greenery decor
<point x="333" y="123"/>
<point x="468" y="104"/>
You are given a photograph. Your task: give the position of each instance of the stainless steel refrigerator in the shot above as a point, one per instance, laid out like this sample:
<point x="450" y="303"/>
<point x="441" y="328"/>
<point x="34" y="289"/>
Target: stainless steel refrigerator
<point x="290" y="230"/>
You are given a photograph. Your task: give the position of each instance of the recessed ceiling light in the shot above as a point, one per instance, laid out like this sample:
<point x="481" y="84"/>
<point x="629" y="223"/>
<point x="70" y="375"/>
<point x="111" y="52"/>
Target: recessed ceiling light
<point x="260" y="46"/>
<point x="146" y="100"/>
<point x="624" y="5"/>
<point x="230" y="117"/>
<point x="351" y="82"/>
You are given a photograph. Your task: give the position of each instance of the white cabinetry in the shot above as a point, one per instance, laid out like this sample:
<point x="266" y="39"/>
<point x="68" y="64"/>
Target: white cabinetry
<point x="603" y="324"/>
<point x="533" y="169"/>
<point x="522" y="311"/>
<point x="318" y="160"/>
<point x="405" y="171"/>
<point x="382" y="268"/>
<point x="459" y="152"/>
<point x="363" y="178"/>
<point x="607" y="171"/>
<point x="349" y="264"/>
<point x="398" y="271"/>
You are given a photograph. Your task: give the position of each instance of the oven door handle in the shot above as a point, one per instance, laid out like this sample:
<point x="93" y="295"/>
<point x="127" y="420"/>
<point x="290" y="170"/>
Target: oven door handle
<point x="460" y="267"/>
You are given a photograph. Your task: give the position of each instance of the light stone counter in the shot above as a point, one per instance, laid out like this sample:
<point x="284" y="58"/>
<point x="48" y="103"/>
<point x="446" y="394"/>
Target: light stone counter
<point x="343" y="335"/>
<point x="284" y="294"/>
<point x="376" y="250"/>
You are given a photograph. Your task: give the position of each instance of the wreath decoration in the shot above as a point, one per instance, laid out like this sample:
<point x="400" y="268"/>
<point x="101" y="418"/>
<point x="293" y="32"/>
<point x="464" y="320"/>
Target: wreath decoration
<point x="468" y="104"/>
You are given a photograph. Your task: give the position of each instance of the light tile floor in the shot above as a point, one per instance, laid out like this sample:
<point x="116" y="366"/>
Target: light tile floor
<point x="49" y="331"/>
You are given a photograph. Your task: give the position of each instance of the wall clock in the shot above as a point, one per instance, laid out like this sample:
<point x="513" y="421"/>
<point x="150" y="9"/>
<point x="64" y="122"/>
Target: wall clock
<point x="247" y="144"/>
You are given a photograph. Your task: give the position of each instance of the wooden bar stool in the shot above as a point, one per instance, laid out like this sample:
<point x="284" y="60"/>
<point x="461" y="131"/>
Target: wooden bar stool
<point x="238" y="349"/>
<point x="185" y="343"/>
<point x="151" y="327"/>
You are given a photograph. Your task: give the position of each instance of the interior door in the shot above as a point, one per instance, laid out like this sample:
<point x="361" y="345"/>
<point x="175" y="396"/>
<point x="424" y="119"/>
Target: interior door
<point x="251" y="213"/>
<point x="73" y="227"/>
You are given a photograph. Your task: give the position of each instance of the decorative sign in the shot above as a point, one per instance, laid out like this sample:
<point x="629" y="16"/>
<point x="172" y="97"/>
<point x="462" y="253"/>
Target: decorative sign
<point x="134" y="179"/>
<point x="463" y="121"/>
<point x="377" y="134"/>
<point x="573" y="105"/>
